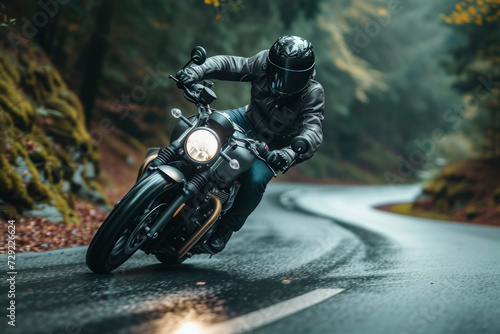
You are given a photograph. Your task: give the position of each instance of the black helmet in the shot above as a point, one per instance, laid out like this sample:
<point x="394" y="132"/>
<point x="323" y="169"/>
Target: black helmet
<point x="290" y="64"/>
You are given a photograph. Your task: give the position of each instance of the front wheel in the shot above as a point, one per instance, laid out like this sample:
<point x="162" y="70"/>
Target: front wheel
<point x="125" y="229"/>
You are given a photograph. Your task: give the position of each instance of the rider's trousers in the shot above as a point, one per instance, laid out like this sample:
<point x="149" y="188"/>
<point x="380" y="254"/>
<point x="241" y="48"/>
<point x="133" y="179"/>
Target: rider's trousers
<point x="253" y="181"/>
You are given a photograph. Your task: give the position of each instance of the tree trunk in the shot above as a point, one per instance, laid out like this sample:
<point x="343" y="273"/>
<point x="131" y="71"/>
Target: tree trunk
<point x="53" y="33"/>
<point x="96" y="54"/>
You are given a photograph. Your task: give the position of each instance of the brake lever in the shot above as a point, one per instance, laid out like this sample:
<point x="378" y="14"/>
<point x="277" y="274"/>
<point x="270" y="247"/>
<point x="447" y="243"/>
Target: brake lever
<point x="184" y="87"/>
<point x="175" y="79"/>
<point x="257" y="155"/>
<point x="270" y="168"/>
<point x="190" y="95"/>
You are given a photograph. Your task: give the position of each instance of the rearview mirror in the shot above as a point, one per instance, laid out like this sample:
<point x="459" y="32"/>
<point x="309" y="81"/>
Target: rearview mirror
<point x="300" y="144"/>
<point x="198" y="55"/>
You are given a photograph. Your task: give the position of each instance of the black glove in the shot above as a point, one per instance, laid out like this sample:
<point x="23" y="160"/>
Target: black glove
<point x="278" y="159"/>
<point x="187" y="77"/>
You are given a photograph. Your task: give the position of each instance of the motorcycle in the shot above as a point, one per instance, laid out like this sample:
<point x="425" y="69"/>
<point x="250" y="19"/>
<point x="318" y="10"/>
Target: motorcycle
<point x="183" y="190"/>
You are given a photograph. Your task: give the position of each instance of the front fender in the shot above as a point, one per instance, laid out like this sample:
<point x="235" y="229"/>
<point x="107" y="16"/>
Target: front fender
<point x="173" y="173"/>
<point x="151" y="154"/>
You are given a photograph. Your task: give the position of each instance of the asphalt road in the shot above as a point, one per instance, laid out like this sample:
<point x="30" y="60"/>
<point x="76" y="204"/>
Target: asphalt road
<point x="311" y="259"/>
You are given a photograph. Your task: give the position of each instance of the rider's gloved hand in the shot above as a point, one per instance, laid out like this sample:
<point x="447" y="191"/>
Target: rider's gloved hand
<point x="279" y="159"/>
<point x="187" y="77"/>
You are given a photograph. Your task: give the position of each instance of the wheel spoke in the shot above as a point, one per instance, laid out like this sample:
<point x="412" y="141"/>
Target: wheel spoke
<point x="130" y="240"/>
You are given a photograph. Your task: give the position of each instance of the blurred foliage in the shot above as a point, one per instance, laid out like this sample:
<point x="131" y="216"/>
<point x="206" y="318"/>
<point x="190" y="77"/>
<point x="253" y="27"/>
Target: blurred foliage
<point x="224" y="5"/>
<point x="468" y="190"/>
<point x="477" y="69"/>
<point x="381" y="63"/>
<point x="473" y="11"/>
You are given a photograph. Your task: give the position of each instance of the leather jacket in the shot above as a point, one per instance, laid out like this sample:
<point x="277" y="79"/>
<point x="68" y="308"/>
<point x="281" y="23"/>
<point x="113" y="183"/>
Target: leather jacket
<point x="276" y="122"/>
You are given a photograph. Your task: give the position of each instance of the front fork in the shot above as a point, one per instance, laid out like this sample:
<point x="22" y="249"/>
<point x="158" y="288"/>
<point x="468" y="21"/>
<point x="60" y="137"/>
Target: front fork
<point x="191" y="188"/>
<point x="195" y="186"/>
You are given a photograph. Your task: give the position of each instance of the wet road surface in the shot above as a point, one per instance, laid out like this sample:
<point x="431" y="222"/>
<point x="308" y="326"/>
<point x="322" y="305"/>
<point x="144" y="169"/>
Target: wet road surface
<point x="311" y="259"/>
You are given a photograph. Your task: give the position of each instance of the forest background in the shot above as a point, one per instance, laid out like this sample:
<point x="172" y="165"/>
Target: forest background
<point x="412" y="87"/>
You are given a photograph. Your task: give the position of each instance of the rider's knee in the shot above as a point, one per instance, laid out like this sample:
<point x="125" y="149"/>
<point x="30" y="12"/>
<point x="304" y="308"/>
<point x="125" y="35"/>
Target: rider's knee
<point x="259" y="184"/>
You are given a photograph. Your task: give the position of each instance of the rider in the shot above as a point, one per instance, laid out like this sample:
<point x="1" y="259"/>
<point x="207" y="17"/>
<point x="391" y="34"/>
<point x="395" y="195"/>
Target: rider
<point x="285" y="102"/>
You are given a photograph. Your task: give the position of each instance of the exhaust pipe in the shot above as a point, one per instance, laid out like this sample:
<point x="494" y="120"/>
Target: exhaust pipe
<point x="202" y="230"/>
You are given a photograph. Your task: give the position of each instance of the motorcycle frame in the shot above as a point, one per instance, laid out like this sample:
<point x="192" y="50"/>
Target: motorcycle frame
<point x="189" y="190"/>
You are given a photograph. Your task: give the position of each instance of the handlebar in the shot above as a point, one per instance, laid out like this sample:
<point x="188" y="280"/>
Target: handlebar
<point x="196" y="93"/>
<point x="258" y="149"/>
<point x="205" y="96"/>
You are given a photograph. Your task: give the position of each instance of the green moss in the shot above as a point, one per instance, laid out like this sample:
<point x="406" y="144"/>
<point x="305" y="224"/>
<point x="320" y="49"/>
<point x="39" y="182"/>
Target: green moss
<point x="10" y="211"/>
<point x="5" y="119"/>
<point x="62" y="131"/>
<point x="70" y="113"/>
<point x="52" y="169"/>
<point x="61" y="204"/>
<point x="471" y="212"/>
<point x="20" y="110"/>
<point x="39" y="80"/>
<point x="67" y="165"/>
<point x="70" y="129"/>
<point x="442" y="204"/>
<point x="28" y="80"/>
<point x="29" y="83"/>
<point x="451" y="170"/>
<point x="407" y="209"/>
<point x="38" y="191"/>
<point x="454" y="189"/>
<point x="39" y="154"/>
<point x="37" y="134"/>
<point x="19" y="150"/>
<point x="8" y="68"/>
<point x="5" y="180"/>
<point x="48" y="193"/>
<point x="71" y="98"/>
<point x="435" y="186"/>
<point x="7" y="130"/>
<point x="12" y="188"/>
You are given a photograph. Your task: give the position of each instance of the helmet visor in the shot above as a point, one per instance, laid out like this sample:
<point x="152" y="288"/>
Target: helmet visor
<point x="285" y="81"/>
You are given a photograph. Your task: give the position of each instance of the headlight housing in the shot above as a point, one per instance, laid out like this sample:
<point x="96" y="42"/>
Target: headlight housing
<point x="202" y="145"/>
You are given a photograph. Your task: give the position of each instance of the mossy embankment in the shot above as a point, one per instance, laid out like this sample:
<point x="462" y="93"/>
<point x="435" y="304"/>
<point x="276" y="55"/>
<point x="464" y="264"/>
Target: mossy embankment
<point x="467" y="191"/>
<point x="46" y="153"/>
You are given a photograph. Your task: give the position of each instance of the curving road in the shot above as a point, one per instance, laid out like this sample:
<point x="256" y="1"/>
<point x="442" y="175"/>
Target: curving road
<point x="311" y="259"/>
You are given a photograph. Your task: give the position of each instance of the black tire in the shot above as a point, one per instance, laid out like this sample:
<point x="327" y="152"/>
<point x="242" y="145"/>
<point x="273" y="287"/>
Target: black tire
<point x="169" y="259"/>
<point x="102" y="255"/>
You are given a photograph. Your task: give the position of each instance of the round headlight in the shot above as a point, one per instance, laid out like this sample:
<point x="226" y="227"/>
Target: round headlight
<point x="202" y="145"/>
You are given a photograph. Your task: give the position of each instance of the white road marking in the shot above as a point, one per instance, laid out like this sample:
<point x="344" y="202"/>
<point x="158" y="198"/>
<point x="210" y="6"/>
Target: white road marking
<point x="286" y="199"/>
<point x="272" y="313"/>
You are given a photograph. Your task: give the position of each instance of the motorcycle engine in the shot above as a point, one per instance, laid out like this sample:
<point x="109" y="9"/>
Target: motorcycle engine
<point x="223" y="195"/>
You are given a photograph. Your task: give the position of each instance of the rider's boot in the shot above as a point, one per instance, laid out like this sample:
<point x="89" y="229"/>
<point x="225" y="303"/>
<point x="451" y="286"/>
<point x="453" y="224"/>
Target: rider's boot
<point x="216" y="242"/>
<point x="219" y="238"/>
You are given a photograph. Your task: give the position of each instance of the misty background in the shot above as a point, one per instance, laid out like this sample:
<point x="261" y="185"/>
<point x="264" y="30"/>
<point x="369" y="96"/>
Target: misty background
<point x="410" y="85"/>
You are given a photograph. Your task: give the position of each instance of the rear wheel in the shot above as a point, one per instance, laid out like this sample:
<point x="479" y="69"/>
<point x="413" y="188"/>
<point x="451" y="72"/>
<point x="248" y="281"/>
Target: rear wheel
<point x="125" y="229"/>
